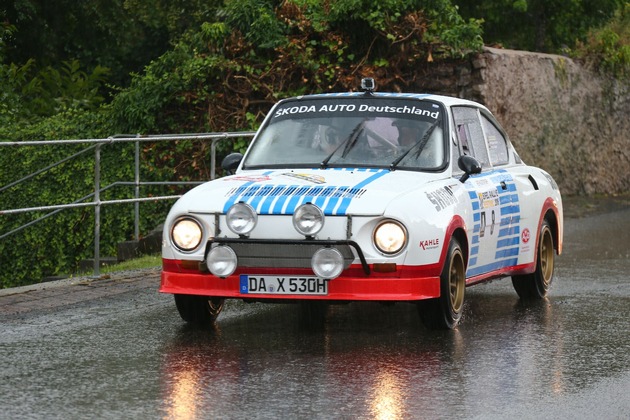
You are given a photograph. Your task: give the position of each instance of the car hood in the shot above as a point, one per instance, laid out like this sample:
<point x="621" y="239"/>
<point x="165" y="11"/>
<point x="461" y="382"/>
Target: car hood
<point x="336" y="191"/>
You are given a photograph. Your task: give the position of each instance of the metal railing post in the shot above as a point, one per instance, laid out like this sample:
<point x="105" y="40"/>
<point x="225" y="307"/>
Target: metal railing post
<point x="137" y="193"/>
<point x="213" y="159"/>
<point x="97" y="210"/>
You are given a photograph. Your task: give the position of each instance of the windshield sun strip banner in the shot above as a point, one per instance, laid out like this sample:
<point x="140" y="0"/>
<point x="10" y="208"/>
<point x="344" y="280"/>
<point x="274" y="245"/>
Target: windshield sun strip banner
<point x="357" y="106"/>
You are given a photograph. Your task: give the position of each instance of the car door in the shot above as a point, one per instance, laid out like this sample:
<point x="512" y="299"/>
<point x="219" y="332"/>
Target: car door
<point x="494" y="234"/>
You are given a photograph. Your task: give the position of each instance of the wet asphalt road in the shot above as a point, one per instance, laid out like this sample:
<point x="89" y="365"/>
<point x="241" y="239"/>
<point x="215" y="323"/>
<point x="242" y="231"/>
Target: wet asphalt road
<point x="115" y="348"/>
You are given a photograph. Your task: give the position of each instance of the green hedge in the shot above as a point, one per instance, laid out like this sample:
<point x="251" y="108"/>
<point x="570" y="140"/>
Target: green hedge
<point x="55" y="245"/>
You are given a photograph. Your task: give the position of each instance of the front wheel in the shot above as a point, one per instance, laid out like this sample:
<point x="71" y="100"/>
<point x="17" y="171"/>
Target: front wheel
<point x="199" y="310"/>
<point x="536" y="285"/>
<point x="446" y="311"/>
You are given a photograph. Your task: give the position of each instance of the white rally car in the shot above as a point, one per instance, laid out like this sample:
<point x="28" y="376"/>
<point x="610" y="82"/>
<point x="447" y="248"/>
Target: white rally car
<point x="365" y="196"/>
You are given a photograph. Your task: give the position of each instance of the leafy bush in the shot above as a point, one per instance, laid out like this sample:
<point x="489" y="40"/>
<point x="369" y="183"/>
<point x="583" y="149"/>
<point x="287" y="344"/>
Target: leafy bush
<point x="226" y="75"/>
<point x="28" y="94"/>
<point x="608" y="48"/>
<point x="222" y="76"/>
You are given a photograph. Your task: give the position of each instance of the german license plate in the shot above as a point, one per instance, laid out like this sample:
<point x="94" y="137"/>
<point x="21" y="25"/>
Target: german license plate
<point x="282" y="285"/>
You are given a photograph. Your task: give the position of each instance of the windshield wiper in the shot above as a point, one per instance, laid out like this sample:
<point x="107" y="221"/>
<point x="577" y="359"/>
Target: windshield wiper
<point x="419" y="144"/>
<point x="349" y="142"/>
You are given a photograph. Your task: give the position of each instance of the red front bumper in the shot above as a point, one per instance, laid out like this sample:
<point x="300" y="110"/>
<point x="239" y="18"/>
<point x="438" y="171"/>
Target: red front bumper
<point x="405" y="284"/>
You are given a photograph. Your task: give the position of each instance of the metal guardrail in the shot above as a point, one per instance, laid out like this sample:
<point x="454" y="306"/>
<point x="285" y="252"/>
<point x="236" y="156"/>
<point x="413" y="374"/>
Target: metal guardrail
<point x="96" y="202"/>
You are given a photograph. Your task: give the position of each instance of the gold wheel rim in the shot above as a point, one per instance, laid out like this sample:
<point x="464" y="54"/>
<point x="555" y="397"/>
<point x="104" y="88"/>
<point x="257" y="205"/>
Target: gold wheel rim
<point x="546" y="256"/>
<point x="456" y="281"/>
<point x="214" y="305"/>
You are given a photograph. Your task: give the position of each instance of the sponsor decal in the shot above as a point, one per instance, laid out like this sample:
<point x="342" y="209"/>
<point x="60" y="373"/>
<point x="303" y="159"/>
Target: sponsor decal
<point x="313" y="109"/>
<point x="489" y="198"/>
<point x="315" y="179"/>
<point x="249" y="178"/>
<point x="525" y="236"/>
<point x="430" y="244"/>
<point x="441" y="198"/>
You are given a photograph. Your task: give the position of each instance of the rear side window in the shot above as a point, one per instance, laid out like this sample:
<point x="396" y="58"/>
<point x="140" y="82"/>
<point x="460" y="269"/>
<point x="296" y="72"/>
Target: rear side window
<point x="470" y="134"/>
<point x="497" y="145"/>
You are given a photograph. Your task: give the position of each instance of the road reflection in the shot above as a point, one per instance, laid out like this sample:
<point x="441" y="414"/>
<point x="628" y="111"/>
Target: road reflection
<point x="369" y="362"/>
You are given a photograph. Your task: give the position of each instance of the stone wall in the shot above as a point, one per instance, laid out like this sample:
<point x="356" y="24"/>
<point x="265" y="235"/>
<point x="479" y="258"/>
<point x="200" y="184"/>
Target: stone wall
<point x="562" y="117"/>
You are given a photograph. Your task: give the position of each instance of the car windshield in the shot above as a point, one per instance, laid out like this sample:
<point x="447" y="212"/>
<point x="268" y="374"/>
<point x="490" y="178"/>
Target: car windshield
<point x="351" y="132"/>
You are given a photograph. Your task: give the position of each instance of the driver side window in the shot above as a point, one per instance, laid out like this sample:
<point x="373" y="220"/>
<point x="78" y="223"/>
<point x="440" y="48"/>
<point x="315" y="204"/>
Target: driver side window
<point x="470" y="134"/>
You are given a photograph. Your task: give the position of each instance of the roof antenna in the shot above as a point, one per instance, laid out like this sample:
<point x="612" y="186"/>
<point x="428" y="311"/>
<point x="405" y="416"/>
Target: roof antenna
<point x="368" y="85"/>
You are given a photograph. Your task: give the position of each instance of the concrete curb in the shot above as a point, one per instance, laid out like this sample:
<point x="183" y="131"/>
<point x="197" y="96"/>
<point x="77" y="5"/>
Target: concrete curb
<point x="74" y="281"/>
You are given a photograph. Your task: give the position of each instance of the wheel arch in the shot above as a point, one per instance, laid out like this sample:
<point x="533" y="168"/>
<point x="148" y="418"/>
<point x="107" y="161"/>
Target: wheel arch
<point x="457" y="230"/>
<point x="460" y="235"/>
<point x="550" y="214"/>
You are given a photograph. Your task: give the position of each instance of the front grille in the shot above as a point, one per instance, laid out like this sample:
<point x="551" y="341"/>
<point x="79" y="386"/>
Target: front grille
<point x="289" y="254"/>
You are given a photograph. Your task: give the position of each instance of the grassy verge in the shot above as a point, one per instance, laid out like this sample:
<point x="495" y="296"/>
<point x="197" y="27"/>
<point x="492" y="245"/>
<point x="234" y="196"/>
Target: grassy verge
<point x="147" y="261"/>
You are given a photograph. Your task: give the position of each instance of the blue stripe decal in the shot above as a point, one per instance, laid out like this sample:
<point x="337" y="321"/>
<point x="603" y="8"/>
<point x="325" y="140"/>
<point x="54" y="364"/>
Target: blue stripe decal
<point x="277" y="207"/>
<point x="266" y="205"/>
<point x="510" y="210"/>
<point x="328" y="191"/>
<point x="295" y="200"/>
<point x="332" y="203"/>
<point x="508" y="242"/>
<point x="237" y="194"/>
<point x="501" y="237"/>
<point x="491" y="267"/>
<point x="504" y="199"/>
<point x="284" y="199"/>
<point x="230" y="202"/>
<point x="262" y="193"/>
<point x="312" y="193"/>
<point x="345" y="202"/>
<point x="513" y="230"/>
<point x="504" y="253"/>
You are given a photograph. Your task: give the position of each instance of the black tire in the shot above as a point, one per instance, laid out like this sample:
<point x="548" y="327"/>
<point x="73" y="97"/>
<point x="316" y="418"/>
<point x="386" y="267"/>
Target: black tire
<point x="444" y="313"/>
<point x="536" y="285"/>
<point x="199" y="310"/>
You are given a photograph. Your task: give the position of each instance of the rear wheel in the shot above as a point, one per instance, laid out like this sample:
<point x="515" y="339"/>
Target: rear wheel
<point x="446" y="311"/>
<point x="199" y="310"/>
<point x="536" y="285"/>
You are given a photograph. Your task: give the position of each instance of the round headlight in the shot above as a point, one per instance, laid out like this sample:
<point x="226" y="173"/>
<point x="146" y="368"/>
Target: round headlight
<point x="221" y="261"/>
<point x="390" y="237"/>
<point x="186" y="234"/>
<point x="327" y="263"/>
<point x="308" y="219"/>
<point x="241" y="218"/>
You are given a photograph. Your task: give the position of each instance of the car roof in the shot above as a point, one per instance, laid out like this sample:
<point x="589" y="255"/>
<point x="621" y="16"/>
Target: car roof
<point x="446" y="100"/>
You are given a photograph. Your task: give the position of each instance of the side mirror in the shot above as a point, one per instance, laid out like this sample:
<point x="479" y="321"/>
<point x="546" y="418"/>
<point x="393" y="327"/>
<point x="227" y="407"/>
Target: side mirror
<point x="469" y="165"/>
<point x="231" y="162"/>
